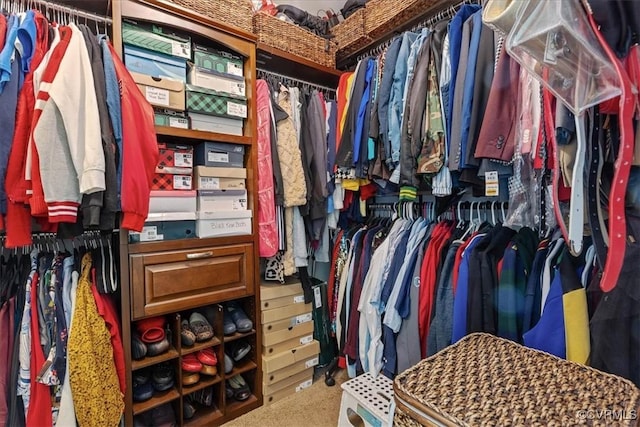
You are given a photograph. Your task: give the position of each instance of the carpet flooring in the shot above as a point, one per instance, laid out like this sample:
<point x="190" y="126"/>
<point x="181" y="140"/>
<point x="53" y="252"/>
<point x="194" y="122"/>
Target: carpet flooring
<point x="317" y="406"/>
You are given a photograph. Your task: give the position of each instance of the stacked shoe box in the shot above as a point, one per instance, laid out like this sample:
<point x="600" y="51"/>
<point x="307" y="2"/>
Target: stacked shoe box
<point x="289" y="352"/>
<point x="157" y="57"/>
<point x="216" y="91"/>
<point x="220" y="182"/>
<point x="172" y="205"/>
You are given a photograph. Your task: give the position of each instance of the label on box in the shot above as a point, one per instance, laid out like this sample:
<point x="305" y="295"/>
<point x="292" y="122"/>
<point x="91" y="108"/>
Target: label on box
<point x="180" y="49"/>
<point x="238" y="110"/>
<point x="234" y="69"/>
<point x="304" y="385"/>
<point x="149" y="234"/>
<point x="303" y="318"/>
<point x="298" y="299"/>
<point x="306" y="340"/>
<point x="157" y="96"/>
<point x="317" y="297"/>
<point x="183" y="160"/>
<point x="181" y="182"/>
<point x="312" y="362"/>
<point x="212" y="156"/>
<point x="491" y="185"/>
<point x="209" y="183"/>
<point x="178" y="122"/>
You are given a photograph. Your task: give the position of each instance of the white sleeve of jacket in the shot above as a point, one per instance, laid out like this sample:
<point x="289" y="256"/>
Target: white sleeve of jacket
<point x="74" y="94"/>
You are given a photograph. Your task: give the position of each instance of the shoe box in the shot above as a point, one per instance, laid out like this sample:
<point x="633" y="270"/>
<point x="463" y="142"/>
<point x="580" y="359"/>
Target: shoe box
<point x="289" y="352"/>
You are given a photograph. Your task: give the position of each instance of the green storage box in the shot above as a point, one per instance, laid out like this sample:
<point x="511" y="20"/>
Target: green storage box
<point x="207" y="101"/>
<point x="156" y="38"/>
<point x="171" y="118"/>
<point x="217" y="60"/>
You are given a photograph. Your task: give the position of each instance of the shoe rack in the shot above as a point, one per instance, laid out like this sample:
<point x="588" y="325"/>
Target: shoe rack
<point x="175" y="277"/>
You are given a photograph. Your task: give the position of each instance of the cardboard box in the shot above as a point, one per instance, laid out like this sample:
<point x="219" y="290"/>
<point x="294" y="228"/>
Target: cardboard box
<point x="161" y="92"/>
<point x="278" y="361"/>
<point x="170" y="118"/>
<point x="149" y="63"/>
<point x="208" y="178"/>
<point x="156" y="38"/>
<point x="299" y="378"/>
<point x="207" y="101"/>
<point x="172" y="226"/>
<point x="270" y="338"/>
<point x="282" y="301"/>
<point x="216" y="124"/>
<point x="172" y="201"/>
<point x="175" y="157"/>
<point x="218" y="224"/>
<point x="219" y="154"/>
<point x="285" y="312"/>
<point x="170" y="182"/>
<point x="288" y="345"/>
<point x="283" y="324"/>
<point x="222" y="200"/>
<point x="217" y="60"/>
<point x="286" y="392"/>
<point x="281" y="374"/>
<point x="220" y="82"/>
<point x="269" y="291"/>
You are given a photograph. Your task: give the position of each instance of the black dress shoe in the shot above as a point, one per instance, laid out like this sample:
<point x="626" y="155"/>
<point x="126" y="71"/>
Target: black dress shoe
<point x="159" y="347"/>
<point x="163" y="375"/>
<point x="142" y="392"/>
<point x="141" y="376"/>
<point x="138" y="348"/>
<point x="239" y="350"/>
<point x="188" y="410"/>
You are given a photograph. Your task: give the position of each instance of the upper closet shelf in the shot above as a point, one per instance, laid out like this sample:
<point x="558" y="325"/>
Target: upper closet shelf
<point x="285" y="63"/>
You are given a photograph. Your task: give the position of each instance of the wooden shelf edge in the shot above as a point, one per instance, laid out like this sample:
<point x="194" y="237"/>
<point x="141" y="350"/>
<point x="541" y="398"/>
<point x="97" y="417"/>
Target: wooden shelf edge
<point x="215" y="341"/>
<point x="170" y="245"/>
<point x="203" y="383"/>
<point x="172" y="353"/>
<point x="157" y="400"/>
<point x="202" y="418"/>
<point x="235" y="406"/>
<point x="203" y="135"/>
<point x="241" y="367"/>
<point x="238" y="335"/>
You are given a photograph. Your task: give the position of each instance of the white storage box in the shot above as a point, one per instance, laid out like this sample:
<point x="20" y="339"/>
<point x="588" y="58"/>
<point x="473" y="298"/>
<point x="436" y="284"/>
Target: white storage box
<point x="219" y="224"/>
<point x="216" y="124"/>
<point x="220" y="82"/>
<point x="367" y="401"/>
<point x="222" y="200"/>
<point x="172" y="201"/>
<point x="210" y="178"/>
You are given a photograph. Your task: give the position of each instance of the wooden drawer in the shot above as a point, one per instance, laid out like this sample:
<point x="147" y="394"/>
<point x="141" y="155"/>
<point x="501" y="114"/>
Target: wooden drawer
<point x="166" y="282"/>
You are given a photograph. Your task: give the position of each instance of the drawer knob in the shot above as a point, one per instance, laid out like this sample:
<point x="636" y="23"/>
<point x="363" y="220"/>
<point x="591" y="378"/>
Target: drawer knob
<point x="200" y="255"/>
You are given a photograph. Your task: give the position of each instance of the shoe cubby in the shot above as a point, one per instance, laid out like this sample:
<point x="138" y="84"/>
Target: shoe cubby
<point x="171" y="331"/>
<point x="234" y="404"/>
<point x="155" y="385"/>
<point x="196" y="408"/>
<point x="213" y="316"/>
<point x="248" y="307"/>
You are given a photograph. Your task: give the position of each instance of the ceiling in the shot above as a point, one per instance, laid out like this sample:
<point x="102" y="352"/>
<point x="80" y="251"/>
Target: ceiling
<point x="314" y="6"/>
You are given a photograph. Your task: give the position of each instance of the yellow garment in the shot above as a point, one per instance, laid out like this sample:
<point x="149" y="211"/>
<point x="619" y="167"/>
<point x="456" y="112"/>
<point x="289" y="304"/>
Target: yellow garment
<point x="576" y="325"/>
<point x="354" y="184"/>
<point x="350" y="81"/>
<point x="92" y="371"/>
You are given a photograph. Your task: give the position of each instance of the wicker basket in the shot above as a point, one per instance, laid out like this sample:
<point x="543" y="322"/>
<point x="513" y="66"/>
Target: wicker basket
<point x="350" y="34"/>
<point x="294" y="39"/>
<point x="237" y="13"/>
<point x="487" y="381"/>
<point x="382" y="16"/>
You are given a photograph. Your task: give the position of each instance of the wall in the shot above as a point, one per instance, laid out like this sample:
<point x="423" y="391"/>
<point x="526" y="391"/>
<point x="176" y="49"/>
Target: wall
<point x="313" y="6"/>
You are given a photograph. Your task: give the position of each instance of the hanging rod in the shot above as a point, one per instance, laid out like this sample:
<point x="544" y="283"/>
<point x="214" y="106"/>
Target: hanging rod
<point x="444" y="9"/>
<point x="262" y="72"/>
<point x="71" y="11"/>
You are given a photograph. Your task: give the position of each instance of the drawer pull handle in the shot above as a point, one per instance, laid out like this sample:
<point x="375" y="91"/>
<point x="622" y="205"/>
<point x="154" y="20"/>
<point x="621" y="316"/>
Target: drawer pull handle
<point x="200" y="255"/>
